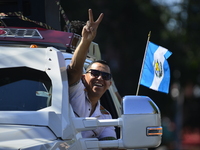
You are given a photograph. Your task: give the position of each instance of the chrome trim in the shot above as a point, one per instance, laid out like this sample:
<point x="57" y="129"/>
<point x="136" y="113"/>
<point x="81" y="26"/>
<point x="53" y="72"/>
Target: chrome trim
<point x="21" y="33"/>
<point x="139" y="105"/>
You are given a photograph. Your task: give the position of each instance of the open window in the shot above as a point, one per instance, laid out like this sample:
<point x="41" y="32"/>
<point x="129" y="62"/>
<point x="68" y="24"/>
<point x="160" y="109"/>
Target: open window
<point x="107" y="102"/>
<point x="24" y="89"/>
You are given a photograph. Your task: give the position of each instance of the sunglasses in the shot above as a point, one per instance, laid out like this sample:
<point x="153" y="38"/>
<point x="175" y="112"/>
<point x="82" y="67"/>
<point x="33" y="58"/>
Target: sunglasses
<point x="97" y="73"/>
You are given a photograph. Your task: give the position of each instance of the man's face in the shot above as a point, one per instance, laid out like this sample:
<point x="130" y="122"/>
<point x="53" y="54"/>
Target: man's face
<point x="96" y="86"/>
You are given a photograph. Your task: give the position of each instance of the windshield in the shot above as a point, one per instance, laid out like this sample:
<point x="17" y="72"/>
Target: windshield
<point x="24" y="89"/>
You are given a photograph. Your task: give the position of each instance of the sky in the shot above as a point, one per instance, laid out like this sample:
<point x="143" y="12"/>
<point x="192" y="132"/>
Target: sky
<point x="175" y="7"/>
<point x="172" y="4"/>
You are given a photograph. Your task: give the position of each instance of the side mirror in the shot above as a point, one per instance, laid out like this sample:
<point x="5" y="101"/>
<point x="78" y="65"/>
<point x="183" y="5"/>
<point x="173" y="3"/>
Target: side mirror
<point x="141" y="122"/>
<point x="140" y="125"/>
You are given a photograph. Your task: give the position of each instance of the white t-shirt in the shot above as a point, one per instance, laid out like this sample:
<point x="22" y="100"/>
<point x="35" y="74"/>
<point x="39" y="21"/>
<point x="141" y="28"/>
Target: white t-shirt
<point x="82" y="107"/>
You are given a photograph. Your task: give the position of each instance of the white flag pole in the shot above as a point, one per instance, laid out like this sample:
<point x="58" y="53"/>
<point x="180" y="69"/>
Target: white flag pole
<point x="138" y="87"/>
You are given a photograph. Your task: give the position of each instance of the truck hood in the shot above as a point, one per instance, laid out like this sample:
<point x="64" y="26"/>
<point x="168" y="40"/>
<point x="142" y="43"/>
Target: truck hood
<point x="18" y="136"/>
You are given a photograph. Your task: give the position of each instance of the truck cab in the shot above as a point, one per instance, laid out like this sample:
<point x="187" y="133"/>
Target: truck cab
<point x="35" y="113"/>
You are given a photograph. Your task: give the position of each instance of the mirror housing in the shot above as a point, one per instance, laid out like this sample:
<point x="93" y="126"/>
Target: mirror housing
<point x="140" y="125"/>
<point x="141" y="122"/>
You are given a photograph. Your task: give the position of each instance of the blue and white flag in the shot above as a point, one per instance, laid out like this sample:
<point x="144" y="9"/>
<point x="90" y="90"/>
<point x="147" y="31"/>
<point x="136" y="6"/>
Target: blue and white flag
<point x="156" y="71"/>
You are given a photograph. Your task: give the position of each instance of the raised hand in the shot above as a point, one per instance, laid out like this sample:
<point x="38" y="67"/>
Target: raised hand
<point x="90" y="29"/>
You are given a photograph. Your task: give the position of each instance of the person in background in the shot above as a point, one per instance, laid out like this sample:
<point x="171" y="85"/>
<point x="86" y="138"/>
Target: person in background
<point x="76" y="26"/>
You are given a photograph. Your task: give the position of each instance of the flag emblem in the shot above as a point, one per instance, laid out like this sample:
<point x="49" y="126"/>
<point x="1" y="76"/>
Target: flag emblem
<point x="155" y="72"/>
<point x="158" y="68"/>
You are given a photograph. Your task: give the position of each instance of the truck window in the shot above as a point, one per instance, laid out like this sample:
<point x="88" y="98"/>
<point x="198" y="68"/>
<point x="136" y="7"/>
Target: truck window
<point x="107" y="102"/>
<point x="24" y="89"/>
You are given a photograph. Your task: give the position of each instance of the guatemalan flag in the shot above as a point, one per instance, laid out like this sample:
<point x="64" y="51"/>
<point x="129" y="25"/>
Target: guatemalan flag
<point x="156" y="72"/>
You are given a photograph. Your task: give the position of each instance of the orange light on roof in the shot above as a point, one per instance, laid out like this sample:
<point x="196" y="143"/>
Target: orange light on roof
<point x="33" y="46"/>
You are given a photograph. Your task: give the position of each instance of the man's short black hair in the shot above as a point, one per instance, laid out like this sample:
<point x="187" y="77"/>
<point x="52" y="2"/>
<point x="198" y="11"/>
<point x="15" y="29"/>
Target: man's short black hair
<point x="97" y="61"/>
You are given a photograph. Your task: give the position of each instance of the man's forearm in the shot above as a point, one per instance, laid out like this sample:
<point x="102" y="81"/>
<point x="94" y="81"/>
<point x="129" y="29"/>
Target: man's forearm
<point x="80" y="54"/>
<point x="88" y="34"/>
<point x="77" y="62"/>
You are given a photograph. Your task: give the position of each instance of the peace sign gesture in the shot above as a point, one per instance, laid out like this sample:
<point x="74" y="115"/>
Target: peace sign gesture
<point x="90" y="29"/>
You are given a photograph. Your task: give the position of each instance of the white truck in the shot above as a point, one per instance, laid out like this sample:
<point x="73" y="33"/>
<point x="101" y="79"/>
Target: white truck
<point x="35" y="113"/>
